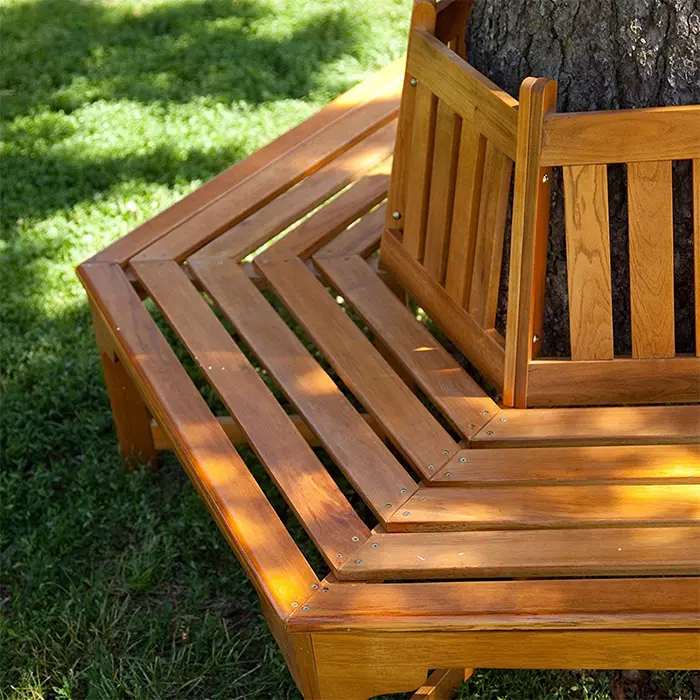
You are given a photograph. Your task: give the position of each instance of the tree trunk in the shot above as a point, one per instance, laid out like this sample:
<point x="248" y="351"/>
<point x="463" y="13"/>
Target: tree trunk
<point x="605" y="55"/>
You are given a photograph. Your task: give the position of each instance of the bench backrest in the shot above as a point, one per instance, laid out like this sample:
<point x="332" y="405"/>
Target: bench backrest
<point x="458" y="139"/>
<point x="449" y="193"/>
<point x="646" y="141"/>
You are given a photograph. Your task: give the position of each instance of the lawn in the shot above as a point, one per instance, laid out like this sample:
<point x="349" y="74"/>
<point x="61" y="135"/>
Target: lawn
<point x="116" y="584"/>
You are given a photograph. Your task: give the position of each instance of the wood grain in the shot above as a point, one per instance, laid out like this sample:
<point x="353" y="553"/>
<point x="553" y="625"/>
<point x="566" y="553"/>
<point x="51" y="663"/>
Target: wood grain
<point x="651" y="258"/>
<point x="588" y="262"/>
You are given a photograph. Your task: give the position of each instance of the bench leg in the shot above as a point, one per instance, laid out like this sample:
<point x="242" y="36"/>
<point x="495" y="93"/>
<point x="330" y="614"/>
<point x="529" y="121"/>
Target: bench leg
<point x="131" y="417"/>
<point x="443" y="684"/>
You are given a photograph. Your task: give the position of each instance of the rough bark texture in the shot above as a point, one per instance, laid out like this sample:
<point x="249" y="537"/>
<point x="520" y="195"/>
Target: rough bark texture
<point x="605" y="55"/>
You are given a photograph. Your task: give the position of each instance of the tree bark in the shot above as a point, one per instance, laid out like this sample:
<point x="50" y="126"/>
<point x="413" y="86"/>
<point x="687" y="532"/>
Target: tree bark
<point x="618" y="54"/>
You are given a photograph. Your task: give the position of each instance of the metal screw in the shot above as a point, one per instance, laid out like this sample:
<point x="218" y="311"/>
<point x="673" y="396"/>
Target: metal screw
<point x="445" y="452"/>
<point x="358" y="561"/>
<point x="375" y="545"/>
<point x="295" y="604"/>
<point x="535" y="338"/>
<point x="339" y="555"/>
<point x="545" y="178"/>
<point x="489" y="432"/>
<point x="396" y="215"/>
<point x="406" y="514"/>
<point x="355" y="539"/>
<point x="431" y="467"/>
<point x="504" y="420"/>
<point x="448" y="474"/>
<point x="414" y="82"/>
<point x="305" y="608"/>
<point x="388" y="505"/>
<point x="325" y="589"/>
<point x="471" y="426"/>
<point x="484" y="413"/>
<point x="422" y="498"/>
<point x="462" y="459"/>
<point x="404" y="490"/>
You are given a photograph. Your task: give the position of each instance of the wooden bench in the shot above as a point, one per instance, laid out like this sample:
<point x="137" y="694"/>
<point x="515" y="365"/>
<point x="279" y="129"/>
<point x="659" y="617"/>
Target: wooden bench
<point x="538" y="532"/>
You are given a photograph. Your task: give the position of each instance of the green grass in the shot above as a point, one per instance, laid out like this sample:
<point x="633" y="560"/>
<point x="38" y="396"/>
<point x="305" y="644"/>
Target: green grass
<point x="115" y="584"/>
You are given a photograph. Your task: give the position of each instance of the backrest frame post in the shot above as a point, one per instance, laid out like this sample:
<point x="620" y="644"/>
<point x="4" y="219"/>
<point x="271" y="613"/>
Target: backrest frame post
<point x="529" y="238"/>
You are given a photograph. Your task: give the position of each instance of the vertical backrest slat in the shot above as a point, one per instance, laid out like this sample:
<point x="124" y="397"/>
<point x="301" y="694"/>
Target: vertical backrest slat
<point x="488" y="252"/>
<point x="650" y="196"/>
<point x="588" y="262"/>
<point x="465" y="216"/>
<point x="420" y="162"/>
<point x="442" y="189"/>
<point x="696" y="246"/>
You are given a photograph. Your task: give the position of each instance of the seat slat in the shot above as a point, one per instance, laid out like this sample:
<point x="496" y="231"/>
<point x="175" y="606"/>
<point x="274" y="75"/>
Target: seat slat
<point x="651" y="258"/>
<point x="537" y="507"/>
<point x="236" y="502"/>
<point x="438" y="374"/>
<point x="654" y="551"/>
<point x="488" y="251"/>
<point x="418" y="185"/>
<point x="465" y="218"/>
<point x="402" y="416"/>
<point x="354" y="446"/>
<point x="278" y="176"/>
<point x="627" y="604"/>
<point x="588" y="262"/>
<point x="361" y="239"/>
<point x="553" y="465"/>
<point x="319" y="504"/>
<point x="327" y="222"/>
<point x="614" y="425"/>
<point x="442" y="191"/>
<point x="292" y="205"/>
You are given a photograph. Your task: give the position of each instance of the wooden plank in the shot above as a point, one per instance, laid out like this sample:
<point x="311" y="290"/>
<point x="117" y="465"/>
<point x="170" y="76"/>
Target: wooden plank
<point x="650" y="197"/>
<point x="236" y="435"/>
<point x="538" y="507"/>
<point x="491" y="229"/>
<point x="277" y="177"/>
<point x="622" y="136"/>
<point x="357" y="666"/>
<point x="325" y="224"/>
<point x="263" y="225"/>
<point x="530" y="233"/>
<point x="453" y="80"/>
<point x="620" y="381"/>
<point x="316" y="500"/>
<point x="625" y="604"/>
<point x="442" y="684"/>
<point x="696" y="247"/>
<point x="484" y="349"/>
<point x="465" y="218"/>
<point x="420" y="169"/>
<point x="654" y="551"/>
<point x="439" y="375"/>
<point x="259" y="539"/>
<point x="149" y="232"/>
<point x="588" y="262"/>
<point x="452" y="18"/>
<point x="617" y="425"/>
<point x="647" y="464"/>
<point x="422" y="17"/>
<point x="442" y="191"/>
<point x="350" y="441"/>
<point x="360" y="366"/>
<point x="361" y="239"/>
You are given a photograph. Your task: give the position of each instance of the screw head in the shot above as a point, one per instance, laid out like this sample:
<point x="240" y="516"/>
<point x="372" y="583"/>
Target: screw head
<point x="355" y="539"/>
<point x="295" y="604"/>
<point x="431" y="467"/>
<point x="406" y="514"/>
<point x="504" y="420"/>
<point x="414" y="82"/>
<point x="358" y="561"/>
<point x="305" y="608"/>
<point x="489" y="432"/>
<point x="404" y="490"/>
<point x="396" y="215"/>
<point x="325" y="589"/>
<point x="545" y="178"/>
<point x="471" y="426"/>
<point x="448" y="474"/>
<point x="445" y="452"/>
<point x="314" y="586"/>
<point x="375" y="545"/>
<point x="387" y="505"/>
<point x="535" y="338"/>
<point x="463" y="459"/>
<point x="484" y="413"/>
